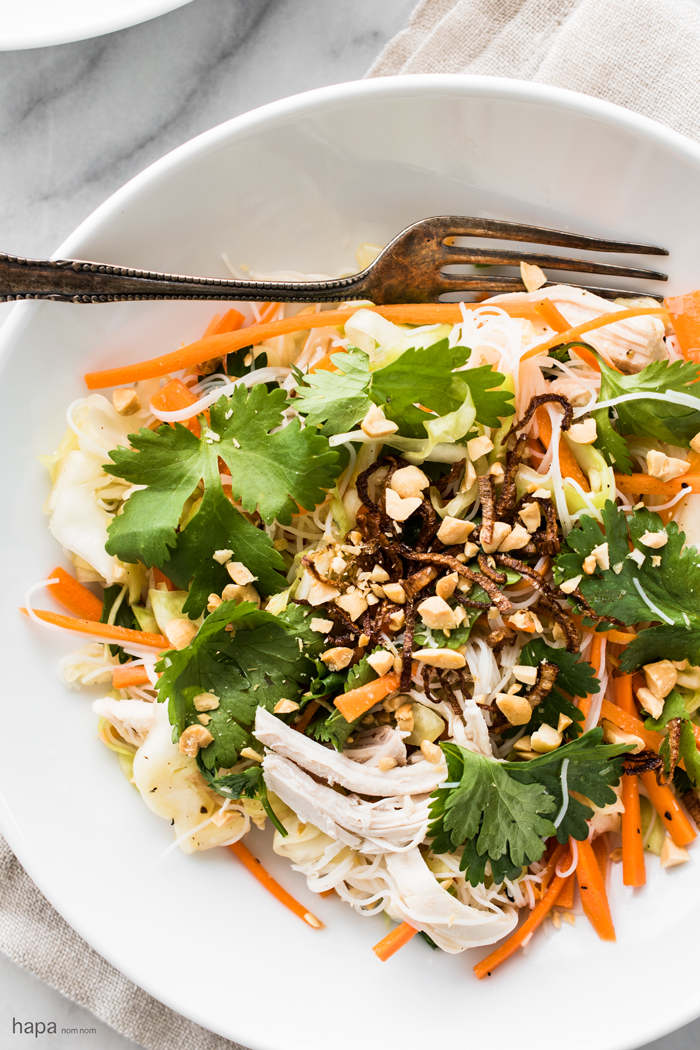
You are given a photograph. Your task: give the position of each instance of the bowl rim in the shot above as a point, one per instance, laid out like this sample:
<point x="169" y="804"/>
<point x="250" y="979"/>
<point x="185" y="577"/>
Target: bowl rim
<point x="420" y="86"/>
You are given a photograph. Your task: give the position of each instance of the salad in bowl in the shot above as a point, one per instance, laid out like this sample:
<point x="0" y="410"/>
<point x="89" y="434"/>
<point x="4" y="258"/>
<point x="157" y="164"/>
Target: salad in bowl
<point x="415" y="587"/>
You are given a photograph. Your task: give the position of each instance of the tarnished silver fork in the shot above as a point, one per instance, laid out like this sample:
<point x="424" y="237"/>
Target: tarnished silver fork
<point x="409" y="270"/>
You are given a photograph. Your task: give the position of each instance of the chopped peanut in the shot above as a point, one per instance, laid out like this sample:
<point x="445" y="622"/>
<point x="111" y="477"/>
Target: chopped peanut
<point x="404" y="718"/>
<point x="661" y="677"/>
<point x="180" y="632"/>
<point x="126" y="401"/>
<point x="516" y="708"/>
<point x="353" y="604"/>
<point x="194" y="738"/>
<point x="431" y="752"/>
<point x="386" y="763"/>
<point x="445" y="658"/>
<point x="239" y="574"/>
<point x="650" y="702"/>
<point x="671" y="854"/>
<point x="233" y="592"/>
<point x="589" y="564"/>
<point x="376" y="425"/>
<point x="602" y="556"/>
<point x="517" y="538"/>
<point x="569" y="586"/>
<point x="665" y="468"/>
<point x="285" y="707"/>
<point x="401" y="509"/>
<point x="222" y="557"/>
<point x="213" y="602"/>
<point x="252" y="754"/>
<point x="469" y="478"/>
<point x="695" y="443"/>
<point x="500" y="531"/>
<point x="613" y="735"/>
<point x="470" y="551"/>
<point x="436" y="613"/>
<point x="654" y="539"/>
<point x="378" y="574"/>
<point x="530" y="515"/>
<point x="454" y="530"/>
<point x="206" y="702"/>
<point x="527" y="675"/>
<point x="409" y="481"/>
<point x="338" y="658"/>
<point x="204" y="719"/>
<point x="381" y="662"/>
<point x="524" y="620"/>
<point x="445" y="587"/>
<point x="563" y="723"/>
<point x="397" y="620"/>
<point x="395" y="593"/>
<point x="322" y="626"/>
<point x="545" y="739"/>
<point x="478" y="447"/>
<point x="497" y="472"/>
<point x="532" y="276"/>
<point x="584" y="433"/>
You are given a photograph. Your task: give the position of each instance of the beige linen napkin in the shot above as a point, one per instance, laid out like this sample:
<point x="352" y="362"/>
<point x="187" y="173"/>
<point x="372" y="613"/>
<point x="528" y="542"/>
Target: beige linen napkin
<point x="642" y="54"/>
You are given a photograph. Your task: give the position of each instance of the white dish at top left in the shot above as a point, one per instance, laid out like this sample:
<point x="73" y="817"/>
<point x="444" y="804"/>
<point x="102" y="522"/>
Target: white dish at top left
<point x="42" y="23"/>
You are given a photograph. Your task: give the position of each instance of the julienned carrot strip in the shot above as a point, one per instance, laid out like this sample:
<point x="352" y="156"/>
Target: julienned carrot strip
<point x="174" y="396"/>
<point x="74" y="596"/>
<point x="549" y="313"/>
<point x="633" y="866"/>
<point x="390" y="944"/>
<point x="325" y="364"/>
<point x="567" y="461"/>
<point x="666" y="805"/>
<point x="571" y="334"/>
<point x="125" y="675"/>
<point x="685" y="318"/>
<point x="265" y="879"/>
<point x="218" y="345"/>
<point x="592" y="889"/>
<point x="536" y="917"/>
<point x="600" y="848"/>
<point x="357" y="702"/>
<point x="645" y="485"/>
<point x="630" y="724"/>
<point x="110" y="632"/>
<point x="584" y="702"/>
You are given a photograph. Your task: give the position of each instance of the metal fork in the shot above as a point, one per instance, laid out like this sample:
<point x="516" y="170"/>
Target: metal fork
<point x="408" y="270"/>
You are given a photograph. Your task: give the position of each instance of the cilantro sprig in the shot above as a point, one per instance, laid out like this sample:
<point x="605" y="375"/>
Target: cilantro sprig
<point x="255" y="665"/>
<point x="661" y="420"/>
<point x="336" y="401"/>
<point x="249" y="783"/>
<point x="503" y="811"/>
<point x="271" y="470"/>
<point x="628" y="590"/>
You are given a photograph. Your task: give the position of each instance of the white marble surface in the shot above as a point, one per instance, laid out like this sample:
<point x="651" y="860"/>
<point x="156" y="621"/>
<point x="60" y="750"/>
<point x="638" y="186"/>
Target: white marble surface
<point x="77" y="121"/>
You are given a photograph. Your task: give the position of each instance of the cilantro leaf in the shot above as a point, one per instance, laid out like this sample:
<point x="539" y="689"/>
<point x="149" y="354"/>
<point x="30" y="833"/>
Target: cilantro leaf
<point x="661" y="420"/>
<point x="637" y="593"/>
<point x="339" y="398"/>
<point x="501" y="811"/>
<point x="661" y="643"/>
<point x="501" y="815"/>
<point x="576" y="677"/>
<point x="271" y="472"/>
<point x="593" y="768"/>
<point x="255" y="665"/>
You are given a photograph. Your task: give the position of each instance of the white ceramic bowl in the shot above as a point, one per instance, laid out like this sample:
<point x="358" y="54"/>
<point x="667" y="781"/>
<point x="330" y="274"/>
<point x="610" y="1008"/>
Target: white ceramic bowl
<point x="299" y="184"/>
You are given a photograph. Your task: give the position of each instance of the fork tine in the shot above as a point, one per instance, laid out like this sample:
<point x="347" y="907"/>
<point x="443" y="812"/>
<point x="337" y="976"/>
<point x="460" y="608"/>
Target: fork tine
<point x="463" y="226"/>
<point x="467" y="282"/>
<point x="496" y="257"/>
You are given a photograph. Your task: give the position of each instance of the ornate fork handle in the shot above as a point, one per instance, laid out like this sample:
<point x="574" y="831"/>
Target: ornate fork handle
<point x="74" y="281"/>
